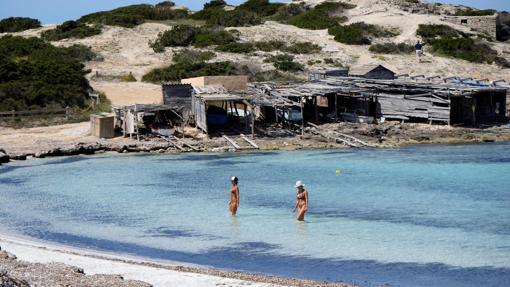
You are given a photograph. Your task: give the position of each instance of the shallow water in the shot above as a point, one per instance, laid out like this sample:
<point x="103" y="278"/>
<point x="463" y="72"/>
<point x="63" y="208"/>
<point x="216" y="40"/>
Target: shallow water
<point x="417" y="216"/>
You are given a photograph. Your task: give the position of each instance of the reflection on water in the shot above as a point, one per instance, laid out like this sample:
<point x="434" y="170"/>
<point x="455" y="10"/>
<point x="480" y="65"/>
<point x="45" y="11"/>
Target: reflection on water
<point x="235" y="228"/>
<point x="302" y="230"/>
<point x="419" y="216"/>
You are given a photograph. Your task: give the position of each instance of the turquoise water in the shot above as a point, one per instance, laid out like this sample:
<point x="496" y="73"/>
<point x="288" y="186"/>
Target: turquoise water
<point x="417" y="216"/>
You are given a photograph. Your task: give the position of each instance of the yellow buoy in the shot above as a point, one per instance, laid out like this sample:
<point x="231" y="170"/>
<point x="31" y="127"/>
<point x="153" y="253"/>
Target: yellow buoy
<point x="338" y="172"/>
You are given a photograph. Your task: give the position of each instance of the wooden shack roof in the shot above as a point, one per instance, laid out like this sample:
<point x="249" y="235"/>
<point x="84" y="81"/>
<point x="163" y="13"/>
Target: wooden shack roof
<point x="219" y="97"/>
<point x="365" y="69"/>
<point x="360" y="87"/>
<point x="210" y="89"/>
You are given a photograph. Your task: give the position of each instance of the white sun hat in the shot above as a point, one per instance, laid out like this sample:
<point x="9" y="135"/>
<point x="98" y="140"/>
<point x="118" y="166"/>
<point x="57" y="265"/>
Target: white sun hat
<point x="299" y="183"/>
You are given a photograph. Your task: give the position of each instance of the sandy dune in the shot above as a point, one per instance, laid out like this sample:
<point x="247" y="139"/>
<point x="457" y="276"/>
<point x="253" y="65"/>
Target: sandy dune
<point x="127" y="50"/>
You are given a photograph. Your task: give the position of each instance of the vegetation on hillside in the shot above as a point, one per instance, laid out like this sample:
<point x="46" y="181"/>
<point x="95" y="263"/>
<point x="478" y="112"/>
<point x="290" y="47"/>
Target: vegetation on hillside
<point x="504" y="32"/>
<point x="133" y="15"/>
<point x="322" y="16"/>
<point x="447" y="41"/>
<point x="434" y="31"/>
<point x="284" y="62"/>
<point x="36" y="74"/>
<point x="475" y="12"/>
<point x="392" y="48"/>
<point x="186" y="35"/>
<point x="18" y="24"/>
<point x="225" y="41"/>
<point x="194" y="63"/>
<point x="192" y="56"/>
<point x="270" y="46"/>
<point x="251" y="12"/>
<point x="359" y="33"/>
<point x="181" y="70"/>
<point x="71" y="29"/>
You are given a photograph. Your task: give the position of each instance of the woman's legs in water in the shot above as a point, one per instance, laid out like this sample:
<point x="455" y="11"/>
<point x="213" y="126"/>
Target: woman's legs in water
<point x="233" y="208"/>
<point x="301" y="213"/>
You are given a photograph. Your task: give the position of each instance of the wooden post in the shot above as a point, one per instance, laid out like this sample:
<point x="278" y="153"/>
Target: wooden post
<point x="252" y="122"/>
<point x="316" y="110"/>
<point x="302" y="117"/>
<point x="124" y="123"/>
<point x="135" y="115"/>
<point x="473" y="109"/>
<point x="336" y="107"/>
<point x="275" y="114"/>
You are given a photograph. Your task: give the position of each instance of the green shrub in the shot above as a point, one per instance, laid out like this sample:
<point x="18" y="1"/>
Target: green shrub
<point x="322" y="16"/>
<point x="392" y="48"/>
<point x="359" y="33"/>
<point x="268" y="46"/>
<point x="165" y="4"/>
<point x="302" y="48"/>
<point x="447" y="41"/>
<point x="178" y="71"/>
<point x="473" y="12"/>
<point x="213" y="36"/>
<point x="464" y="48"/>
<point x="502" y="62"/>
<point x="127" y="77"/>
<point x="286" y="12"/>
<point x="181" y="35"/>
<point x="18" y="24"/>
<point x="262" y="8"/>
<point x="284" y="62"/>
<point x="36" y="74"/>
<point x="112" y="19"/>
<point x="235" y="18"/>
<point x="186" y="35"/>
<point x="432" y="31"/>
<point x="80" y="53"/>
<point x="236" y="47"/>
<point x="214" y="4"/>
<point x="133" y="15"/>
<point x="250" y="13"/>
<point x="189" y="56"/>
<point x="70" y="29"/>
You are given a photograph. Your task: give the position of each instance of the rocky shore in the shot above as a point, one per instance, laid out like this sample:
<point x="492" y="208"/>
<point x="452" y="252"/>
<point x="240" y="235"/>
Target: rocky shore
<point x="22" y="144"/>
<point x="17" y="273"/>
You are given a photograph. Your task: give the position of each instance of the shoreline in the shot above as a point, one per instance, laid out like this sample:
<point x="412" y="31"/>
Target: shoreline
<point x="130" y="268"/>
<point x="73" y="139"/>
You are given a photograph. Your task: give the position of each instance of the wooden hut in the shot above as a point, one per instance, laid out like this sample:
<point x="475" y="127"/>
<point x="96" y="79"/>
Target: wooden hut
<point x="215" y="109"/>
<point x="465" y="102"/>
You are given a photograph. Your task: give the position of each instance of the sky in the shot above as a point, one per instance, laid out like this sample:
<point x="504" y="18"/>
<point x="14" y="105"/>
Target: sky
<point x="58" y="11"/>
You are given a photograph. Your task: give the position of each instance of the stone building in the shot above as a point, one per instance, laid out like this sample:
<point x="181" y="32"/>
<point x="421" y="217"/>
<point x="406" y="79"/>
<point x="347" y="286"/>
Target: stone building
<point x="484" y="24"/>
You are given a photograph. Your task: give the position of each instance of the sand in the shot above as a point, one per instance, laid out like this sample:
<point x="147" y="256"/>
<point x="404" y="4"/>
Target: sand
<point x="133" y="270"/>
<point x="101" y="263"/>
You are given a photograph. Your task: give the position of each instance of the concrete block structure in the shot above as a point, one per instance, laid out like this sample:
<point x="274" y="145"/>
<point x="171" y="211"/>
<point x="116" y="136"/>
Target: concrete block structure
<point x="489" y="25"/>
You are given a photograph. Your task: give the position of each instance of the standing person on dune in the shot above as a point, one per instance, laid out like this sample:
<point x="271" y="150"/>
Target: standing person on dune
<point x="234" y="196"/>
<point x="419" y="50"/>
<point x="301" y="201"/>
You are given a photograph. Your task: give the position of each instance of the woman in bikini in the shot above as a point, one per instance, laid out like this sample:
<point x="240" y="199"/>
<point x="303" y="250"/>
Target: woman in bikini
<point x="301" y="201"/>
<point x="234" y="196"/>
